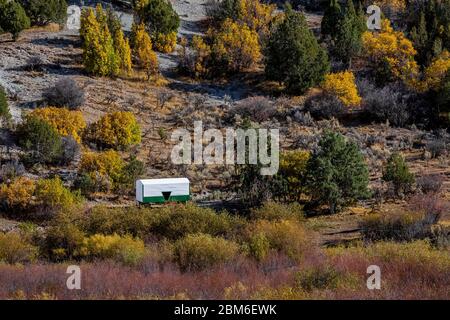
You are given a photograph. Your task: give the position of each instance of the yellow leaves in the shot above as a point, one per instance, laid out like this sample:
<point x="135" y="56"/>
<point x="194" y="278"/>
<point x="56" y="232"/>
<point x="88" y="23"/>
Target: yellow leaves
<point x="435" y="73"/>
<point x="343" y="86"/>
<point x="51" y="192"/>
<point x="236" y="44"/>
<point x="202" y="53"/>
<point x="108" y="163"/>
<point x="393" y="48"/>
<point x="118" y="129"/>
<point x="124" y="249"/>
<point x="142" y="49"/>
<point x="256" y="15"/>
<point x="165" y="43"/>
<point x="65" y="121"/>
<point x="18" y="194"/>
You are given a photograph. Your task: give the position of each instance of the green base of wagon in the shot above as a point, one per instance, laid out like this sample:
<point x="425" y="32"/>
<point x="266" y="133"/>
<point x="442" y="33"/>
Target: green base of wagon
<point x="161" y="199"/>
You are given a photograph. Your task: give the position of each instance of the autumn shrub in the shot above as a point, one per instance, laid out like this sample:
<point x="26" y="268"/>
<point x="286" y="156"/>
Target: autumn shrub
<point x="62" y="241"/>
<point x="66" y="122"/>
<point x="17" y="196"/>
<point x="274" y="211"/>
<point x="40" y="139"/>
<point x="165" y="43"/>
<point x="121" y="221"/>
<point x="177" y="221"/>
<point x="65" y="93"/>
<point x="434" y="75"/>
<point x="342" y="85"/>
<point x="292" y="171"/>
<point x="200" y="251"/>
<point x="193" y="59"/>
<point x="104" y="168"/>
<point x="285" y="236"/>
<point x="124" y="249"/>
<point x="13" y="249"/>
<point x="324" y="106"/>
<point x="115" y="130"/>
<point x="397" y="172"/>
<point x="52" y="196"/>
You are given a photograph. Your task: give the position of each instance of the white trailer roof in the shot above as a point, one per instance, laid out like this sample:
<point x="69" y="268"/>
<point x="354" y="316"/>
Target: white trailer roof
<point x="164" y="181"/>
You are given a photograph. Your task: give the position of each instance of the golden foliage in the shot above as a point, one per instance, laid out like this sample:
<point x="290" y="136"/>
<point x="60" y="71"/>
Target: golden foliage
<point x="52" y="193"/>
<point x="256" y="15"/>
<point x="394" y="49"/>
<point x="202" y="51"/>
<point x="124" y="249"/>
<point x="99" y="56"/>
<point x="108" y="164"/>
<point x="18" y="194"/>
<point x="435" y="74"/>
<point x="342" y="85"/>
<point x="237" y="45"/>
<point x="123" y="52"/>
<point x="293" y="169"/>
<point x="117" y="130"/>
<point x="142" y="50"/>
<point x="165" y="43"/>
<point x="65" y="121"/>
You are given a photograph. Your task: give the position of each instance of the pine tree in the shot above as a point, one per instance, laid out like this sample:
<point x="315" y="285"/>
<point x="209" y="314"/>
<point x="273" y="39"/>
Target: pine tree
<point x="337" y="173"/>
<point x="397" y="172"/>
<point x="293" y="55"/>
<point x="349" y="30"/>
<point x="420" y="39"/>
<point x="13" y="18"/>
<point x="331" y="17"/>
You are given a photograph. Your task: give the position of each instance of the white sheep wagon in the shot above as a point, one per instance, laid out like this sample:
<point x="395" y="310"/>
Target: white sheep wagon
<point x="162" y="190"/>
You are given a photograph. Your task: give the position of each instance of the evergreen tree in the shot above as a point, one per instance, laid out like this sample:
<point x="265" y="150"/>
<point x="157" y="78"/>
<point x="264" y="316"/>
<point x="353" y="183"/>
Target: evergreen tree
<point x="397" y="172"/>
<point x="293" y="55"/>
<point x="13" y="18"/>
<point x="331" y="17"/>
<point x="158" y="16"/>
<point x="42" y="12"/>
<point x="337" y="174"/>
<point x="420" y="40"/>
<point x="349" y="30"/>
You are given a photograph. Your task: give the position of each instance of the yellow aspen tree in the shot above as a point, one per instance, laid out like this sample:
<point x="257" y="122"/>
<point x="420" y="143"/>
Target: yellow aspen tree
<point x="391" y="48"/>
<point x="142" y="50"/>
<point x="123" y="52"/>
<point x="342" y="85"/>
<point x="435" y="74"/>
